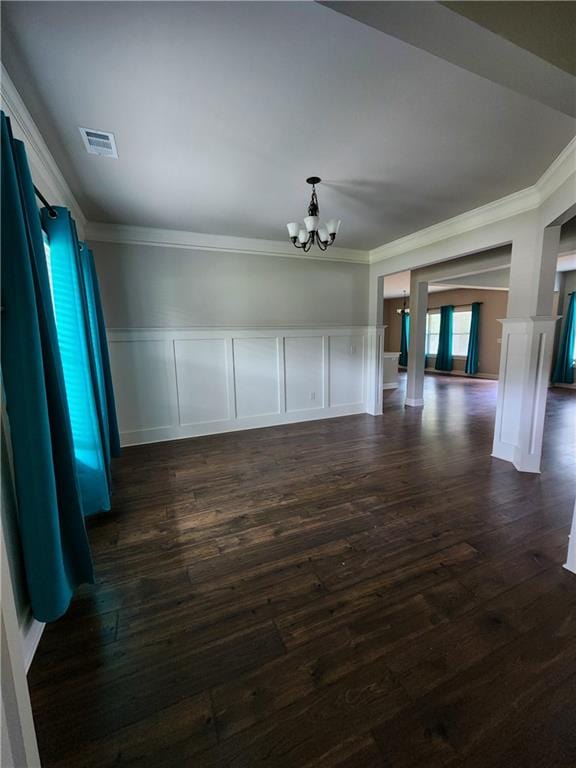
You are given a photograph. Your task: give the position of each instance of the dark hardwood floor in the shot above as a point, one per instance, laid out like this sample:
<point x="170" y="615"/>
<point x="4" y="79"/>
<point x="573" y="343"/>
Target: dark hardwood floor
<point x="356" y="592"/>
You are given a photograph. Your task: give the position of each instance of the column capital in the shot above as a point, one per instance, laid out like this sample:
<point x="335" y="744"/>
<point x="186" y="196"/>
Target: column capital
<point x="531" y="320"/>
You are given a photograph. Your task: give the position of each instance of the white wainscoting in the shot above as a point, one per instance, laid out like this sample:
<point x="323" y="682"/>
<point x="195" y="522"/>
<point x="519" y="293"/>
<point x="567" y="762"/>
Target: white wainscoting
<point x="185" y="382"/>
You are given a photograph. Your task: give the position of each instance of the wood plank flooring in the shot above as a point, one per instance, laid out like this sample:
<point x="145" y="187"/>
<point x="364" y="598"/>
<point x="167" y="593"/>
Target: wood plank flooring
<point x="355" y="593"/>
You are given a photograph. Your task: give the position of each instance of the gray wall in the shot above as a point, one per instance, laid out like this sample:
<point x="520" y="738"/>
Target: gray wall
<point x="147" y="286"/>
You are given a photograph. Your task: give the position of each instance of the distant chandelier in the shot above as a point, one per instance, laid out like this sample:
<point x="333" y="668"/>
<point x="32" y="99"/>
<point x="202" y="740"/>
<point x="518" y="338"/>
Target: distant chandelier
<point x="323" y="236"/>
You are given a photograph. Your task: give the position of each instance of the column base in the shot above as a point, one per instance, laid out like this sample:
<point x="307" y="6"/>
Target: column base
<point x="528" y="463"/>
<point x="414" y="402"/>
<point x="525" y="362"/>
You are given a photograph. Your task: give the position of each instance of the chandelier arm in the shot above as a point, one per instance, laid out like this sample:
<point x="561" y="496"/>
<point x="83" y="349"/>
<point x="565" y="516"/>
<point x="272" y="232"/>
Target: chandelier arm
<point x="320" y="244"/>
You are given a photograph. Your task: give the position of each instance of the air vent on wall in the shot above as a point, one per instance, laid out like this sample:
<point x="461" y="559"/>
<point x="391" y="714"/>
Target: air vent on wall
<point x="99" y="142"/>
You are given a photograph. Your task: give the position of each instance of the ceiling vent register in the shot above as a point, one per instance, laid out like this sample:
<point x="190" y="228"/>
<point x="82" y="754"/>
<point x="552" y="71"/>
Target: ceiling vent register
<point x="99" y="142"/>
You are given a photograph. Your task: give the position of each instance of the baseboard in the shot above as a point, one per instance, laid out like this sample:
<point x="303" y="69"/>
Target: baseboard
<point x="31" y="633"/>
<point x="163" y="434"/>
<point x="489" y="376"/>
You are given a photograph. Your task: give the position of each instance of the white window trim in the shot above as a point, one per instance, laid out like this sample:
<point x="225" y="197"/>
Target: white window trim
<point x="436" y="311"/>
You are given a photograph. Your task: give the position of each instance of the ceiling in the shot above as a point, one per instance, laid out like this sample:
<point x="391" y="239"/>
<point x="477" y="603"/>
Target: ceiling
<point x="221" y="110"/>
<point x="547" y="29"/>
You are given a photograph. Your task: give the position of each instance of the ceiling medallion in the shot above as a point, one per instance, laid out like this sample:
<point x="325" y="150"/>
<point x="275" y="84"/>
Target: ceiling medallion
<point x="322" y="236"/>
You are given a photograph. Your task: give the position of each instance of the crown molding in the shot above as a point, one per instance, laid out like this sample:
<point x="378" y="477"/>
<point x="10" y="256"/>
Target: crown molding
<point x="172" y="238"/>
<point x="512" y="205"/>
<point x="54" y="185"/>
<point x="48" y="176"/>
<point x="557" y="172"/>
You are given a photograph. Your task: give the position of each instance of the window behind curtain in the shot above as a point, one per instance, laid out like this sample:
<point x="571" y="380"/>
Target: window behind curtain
<point x="49" y="263"/>
<point x="432" y="332"/>
<point x="67" y="302"/>
<point x="460" y="333"/>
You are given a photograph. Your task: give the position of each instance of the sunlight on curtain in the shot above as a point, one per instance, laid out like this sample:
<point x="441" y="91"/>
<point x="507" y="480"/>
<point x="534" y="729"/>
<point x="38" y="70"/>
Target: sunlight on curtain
<point x="73" y="328"/>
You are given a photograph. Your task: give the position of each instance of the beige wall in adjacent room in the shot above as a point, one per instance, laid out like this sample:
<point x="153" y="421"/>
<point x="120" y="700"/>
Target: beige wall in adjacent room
<point x="146" y="286"/>
<point x="493" y="308"/>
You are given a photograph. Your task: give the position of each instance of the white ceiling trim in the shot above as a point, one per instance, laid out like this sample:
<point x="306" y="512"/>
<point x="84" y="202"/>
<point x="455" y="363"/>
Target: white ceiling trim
<point x="518" y="202"/>
<point x="172" y="238"/>
<point x="48" y="176"/>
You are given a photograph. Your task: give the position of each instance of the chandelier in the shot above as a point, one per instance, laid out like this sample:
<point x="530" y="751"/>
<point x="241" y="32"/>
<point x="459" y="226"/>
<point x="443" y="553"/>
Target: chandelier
<point x="323" y="236"/>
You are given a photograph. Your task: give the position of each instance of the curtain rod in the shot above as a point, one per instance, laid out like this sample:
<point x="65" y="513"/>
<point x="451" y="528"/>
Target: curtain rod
<point x="428" y="309"/>
<point x="51" y="211"/>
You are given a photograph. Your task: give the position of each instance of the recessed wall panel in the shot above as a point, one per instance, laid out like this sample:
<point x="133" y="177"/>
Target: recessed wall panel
<point x="144" y="384"/>
<point x="516" y="345"/>
<point x="346" y="370"/>
<point x="202" y="380"/>
<point x="304" y="373"/>
<point x="256" y="377"/>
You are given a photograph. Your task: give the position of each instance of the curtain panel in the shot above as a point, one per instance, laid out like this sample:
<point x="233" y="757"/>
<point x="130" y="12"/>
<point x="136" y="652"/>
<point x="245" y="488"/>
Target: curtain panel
<point x="473" y="341"/>
<point x="563" y="372"/>
<point x="53" y="537"/>
<point x="404" y="338"/>
<point x="87" y="386"/>
<point x="100" y="352"/>
<point x="444" y="354"/>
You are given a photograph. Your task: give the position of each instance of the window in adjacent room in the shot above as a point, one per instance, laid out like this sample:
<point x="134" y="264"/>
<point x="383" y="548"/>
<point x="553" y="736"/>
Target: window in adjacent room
<point x="460" y="331"/>
<point x="432" y="332"/>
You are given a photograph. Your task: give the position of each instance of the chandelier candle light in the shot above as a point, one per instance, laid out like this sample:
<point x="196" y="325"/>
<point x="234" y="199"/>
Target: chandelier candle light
<point x="323" y="236"/>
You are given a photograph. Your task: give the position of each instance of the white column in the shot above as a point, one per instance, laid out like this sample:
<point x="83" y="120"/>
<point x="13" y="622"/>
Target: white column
<point x="374" y="370"/>
<point x="375" y="352"/>
<point x="527" y="344"/>
<point x="417" y="347"/>
<point x="18" y="743"/>
<point x="570" y="563"/>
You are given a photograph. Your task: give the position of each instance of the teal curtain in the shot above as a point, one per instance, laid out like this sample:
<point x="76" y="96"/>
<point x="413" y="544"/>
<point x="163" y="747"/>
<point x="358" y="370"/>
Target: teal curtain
<point x="77" y="328"/>
<point x="473" y="340"/>
<point x="100" y="359"/>
<point x="563" y="372"/>
<point x="404" y="338"/>
<point x="55" y="547"/>
<point x="444" y="355"/>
